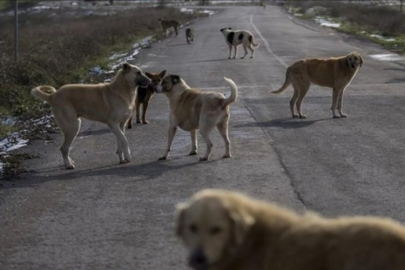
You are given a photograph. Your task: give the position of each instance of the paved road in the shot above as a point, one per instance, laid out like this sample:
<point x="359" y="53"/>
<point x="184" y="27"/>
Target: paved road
<point x="109" y="216"/>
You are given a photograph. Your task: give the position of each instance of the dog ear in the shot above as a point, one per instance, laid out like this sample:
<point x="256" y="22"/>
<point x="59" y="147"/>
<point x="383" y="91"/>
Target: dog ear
<point x="241" y="222"/>
<point x="126" y="67"/>
<point x="162" y="74"/>
<point x="175" y="79"/>
<point x="149" y="75"/>
<point x="179" y="218"/>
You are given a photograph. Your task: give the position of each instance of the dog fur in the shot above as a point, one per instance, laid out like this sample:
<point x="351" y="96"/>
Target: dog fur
<point x="192" y="109"/>
<point x="190" y="35"/>
<point x="236" y="37"/>
<point x="226" y="230"/>
<point x="144" y="95"/>
<point x="166" y="24"/>
<point x="336" y="73"/>
<point x="110" y="103"/>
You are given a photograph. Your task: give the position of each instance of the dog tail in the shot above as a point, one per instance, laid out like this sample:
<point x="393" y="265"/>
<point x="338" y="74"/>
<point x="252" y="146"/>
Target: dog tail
<point x="252" y="41"/>
<point x="234" y="92"/>
<point x="287" y="82"/>
<point x="39" y="93"/>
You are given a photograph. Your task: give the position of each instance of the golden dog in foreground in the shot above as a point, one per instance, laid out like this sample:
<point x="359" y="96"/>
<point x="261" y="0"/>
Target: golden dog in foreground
<point x="225" y="230"/>
<point x="336" y="73"/>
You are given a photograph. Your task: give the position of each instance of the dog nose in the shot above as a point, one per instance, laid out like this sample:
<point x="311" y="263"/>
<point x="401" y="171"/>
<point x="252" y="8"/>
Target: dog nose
<point x="198" y="258"/>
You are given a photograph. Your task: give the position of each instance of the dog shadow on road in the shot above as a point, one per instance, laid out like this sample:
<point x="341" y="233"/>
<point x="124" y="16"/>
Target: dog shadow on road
<point x="285" y="123"/>
<point x="133" y="172"/>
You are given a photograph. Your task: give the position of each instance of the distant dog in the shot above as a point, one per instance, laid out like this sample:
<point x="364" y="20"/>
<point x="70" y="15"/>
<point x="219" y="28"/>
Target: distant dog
<point x="144" y="95"/>
<point x="226" y="230"/>
<point x="263" y="3"/>
<point x="110" y="103"/>
<point x="237" y="37"/>
<point x="168" y="24"/>
<point x="336" y="73"/>
<point x="189" y="35"/>
<point x="192" y="109"/>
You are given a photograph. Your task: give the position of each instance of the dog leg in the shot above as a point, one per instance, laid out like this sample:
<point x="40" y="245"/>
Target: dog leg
<point x="206" y="125"/>
<point x="236" y="52"/>
<point x="335" y="97"/>
<point x="144" y="108"/>
<point x="340" y="103"/>
<point x="172" y="132"/>
<point x="137" y="113"/>
<point x="70" y="132"/>
<point x="122" y="142"/>
<point x="246" y="52"/>
<point x="230" y="52"/>
<point x="194" y="146"/>
<point x="301" y="95"/>
<point x="223" y="130"/>
<point x="252" y="50"/>
<point x="292" y="103"/>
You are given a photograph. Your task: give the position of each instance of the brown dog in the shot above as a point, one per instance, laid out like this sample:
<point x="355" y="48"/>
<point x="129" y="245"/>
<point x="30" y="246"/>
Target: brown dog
<point x="225" y="230"/>
<point x="192" y="109"/>
<point x="144" y="95"/>
<point x="336" y="73"/>
<point x="110" y="103"/>
<point x="167" y="24"/>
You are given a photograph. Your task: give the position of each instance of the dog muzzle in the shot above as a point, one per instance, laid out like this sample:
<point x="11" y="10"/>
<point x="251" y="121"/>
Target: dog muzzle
<point x="158" y="89"/>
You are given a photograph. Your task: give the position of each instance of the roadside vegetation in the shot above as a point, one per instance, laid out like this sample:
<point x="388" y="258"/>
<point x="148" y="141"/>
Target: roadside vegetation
<point x="55" y="50"/>
<point x="383" y="24"/>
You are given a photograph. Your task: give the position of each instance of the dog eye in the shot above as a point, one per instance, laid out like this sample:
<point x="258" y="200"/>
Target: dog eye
<point x="193" y="228"/>
<point x="139" y="73"/>
<point x="215" y="230"/>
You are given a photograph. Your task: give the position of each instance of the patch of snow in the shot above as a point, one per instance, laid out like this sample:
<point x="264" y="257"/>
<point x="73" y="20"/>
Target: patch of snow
<point x="384" y="38"/>
<point x="12" y="142"/>
<point x="209" y="12"/>
<point x="96" y="71"/>
<point x="388" y="57"/>
<point x="324" y="22"/>
<point x="187" y="10"/>
<point x="8" y="121"/>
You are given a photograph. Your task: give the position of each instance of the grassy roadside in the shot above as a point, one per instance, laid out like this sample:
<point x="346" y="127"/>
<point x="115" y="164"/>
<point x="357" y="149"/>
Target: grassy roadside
<point x="382" y="24"/>
<point x="58" y="49"/>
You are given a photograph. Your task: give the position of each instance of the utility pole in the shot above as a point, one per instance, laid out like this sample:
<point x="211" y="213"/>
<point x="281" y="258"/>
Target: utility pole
<point x="16" y="29"/>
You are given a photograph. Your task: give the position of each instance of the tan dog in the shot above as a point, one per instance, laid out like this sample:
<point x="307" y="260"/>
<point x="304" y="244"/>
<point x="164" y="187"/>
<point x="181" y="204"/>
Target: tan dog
<point x="144" y="95"/>
<point x="110" y="103"/>
<point x="336" y="73"/>
<point x="236" y="37"/>
<point x="226" y="230"/>
<point x="166" y="24"/>
<point x="192" y="109"/>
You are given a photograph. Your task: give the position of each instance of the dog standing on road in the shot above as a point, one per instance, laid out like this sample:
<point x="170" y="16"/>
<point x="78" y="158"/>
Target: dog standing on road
<point x="336" y="73"/>
<point x="237" y="37"/>
<point x="225" y="230"/>
<point x="168" y="24"/>
<point x="144" y="95"/>
<point x="190" y="35"/>
<point x="110" y="103"/>
<point x="192" y="109"/>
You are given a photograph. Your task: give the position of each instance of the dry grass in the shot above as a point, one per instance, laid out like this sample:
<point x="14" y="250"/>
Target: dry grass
<point x="385" y="20"/>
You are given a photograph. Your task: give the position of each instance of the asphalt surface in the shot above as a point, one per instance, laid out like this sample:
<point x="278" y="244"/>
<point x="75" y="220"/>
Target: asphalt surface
<point x="108" y="216"/>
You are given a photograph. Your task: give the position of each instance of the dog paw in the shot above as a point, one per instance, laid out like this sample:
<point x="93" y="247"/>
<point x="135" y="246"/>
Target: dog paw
<point x="138" y="121"/>
<point x="295" y="116"/>
<point x="203" y="158"/>
<point x="303" y="116"/>
<point x="145" y="122"/>
<point x="227" y="156"/>
<point x="336" y="116"/>
<point x="162" y="158"/>
<point x="124" y="161"/>
<point x="70" y="167"/>
<point x="343" y="115"/>
<point x="193" y="153"/>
